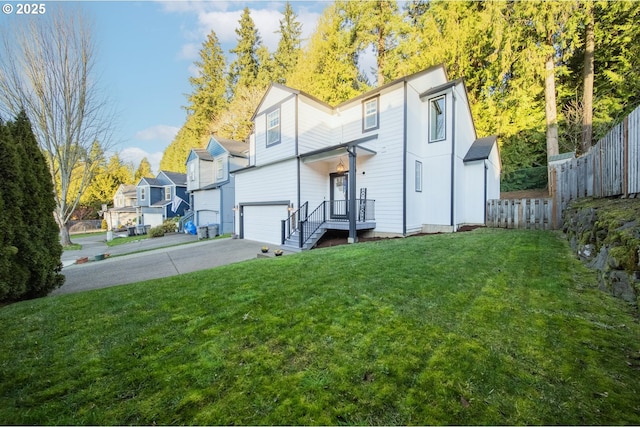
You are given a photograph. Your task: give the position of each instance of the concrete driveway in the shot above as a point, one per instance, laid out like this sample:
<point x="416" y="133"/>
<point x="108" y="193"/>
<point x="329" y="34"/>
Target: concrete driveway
<point x="153" y="264"/>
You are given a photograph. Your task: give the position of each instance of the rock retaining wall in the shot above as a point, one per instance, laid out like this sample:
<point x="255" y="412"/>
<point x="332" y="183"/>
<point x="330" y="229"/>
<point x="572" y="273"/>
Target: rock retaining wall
<point x="605" y="234"/>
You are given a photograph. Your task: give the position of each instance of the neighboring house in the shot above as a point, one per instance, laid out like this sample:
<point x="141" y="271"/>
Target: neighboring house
<point x="210" y="184"/>
<point x="123" y="211"/>
<point x="401" y="159"/>
<point x="162" y="197"/>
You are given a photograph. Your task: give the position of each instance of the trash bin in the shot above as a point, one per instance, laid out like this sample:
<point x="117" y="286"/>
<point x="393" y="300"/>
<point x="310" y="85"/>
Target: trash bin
<point x="147" y="228"/>
<point x="140" y="229"/>
<point x="203" y="233"/>
<point x="213" y="230"/>
<point x="131" y="231"/>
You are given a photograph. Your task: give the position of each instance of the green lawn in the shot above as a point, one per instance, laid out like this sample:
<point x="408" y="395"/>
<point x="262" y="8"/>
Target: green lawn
<point x="485" y="327"/>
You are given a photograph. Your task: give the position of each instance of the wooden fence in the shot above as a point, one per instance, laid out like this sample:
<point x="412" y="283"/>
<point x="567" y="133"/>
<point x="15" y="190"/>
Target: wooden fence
<point x="610" y="168"/>
<point x="521" y="213"/>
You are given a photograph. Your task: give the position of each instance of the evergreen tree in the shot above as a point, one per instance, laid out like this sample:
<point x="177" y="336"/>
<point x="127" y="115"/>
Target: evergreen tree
<point x="143" y="171"/>
<point x="288" y="52"/>
<point x="330" y="67"/>
<point x="29" y="200"/>
<point x="13" y="274"/>
<point x="209" y="86"/>
<point x="244" y="69"/>
<point x="376" y="24"/>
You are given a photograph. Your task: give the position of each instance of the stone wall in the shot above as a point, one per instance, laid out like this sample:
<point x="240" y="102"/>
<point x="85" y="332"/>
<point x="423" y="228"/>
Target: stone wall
<point x="605" y="234"/>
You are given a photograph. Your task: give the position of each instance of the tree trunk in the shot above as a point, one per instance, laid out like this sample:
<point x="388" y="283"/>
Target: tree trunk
<point x="382" y="54"/>
<point x="65" y="238"/>
<point x="587" y="77"/>
<point x="550" y="108"/>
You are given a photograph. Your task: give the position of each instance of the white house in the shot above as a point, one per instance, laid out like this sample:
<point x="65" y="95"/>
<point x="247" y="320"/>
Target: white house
<point x="401" y="159"/>
<point x="210" y="184"/>
<point x="123" y="211"/>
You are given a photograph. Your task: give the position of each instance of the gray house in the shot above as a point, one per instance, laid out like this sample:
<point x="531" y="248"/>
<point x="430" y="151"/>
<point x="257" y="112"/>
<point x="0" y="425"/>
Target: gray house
<point x="210" y="185"/>
<point x="162" y="197"/>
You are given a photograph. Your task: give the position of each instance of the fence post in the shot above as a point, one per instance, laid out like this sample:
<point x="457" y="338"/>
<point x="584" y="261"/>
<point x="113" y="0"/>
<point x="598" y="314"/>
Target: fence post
<point x="625" y="157"/>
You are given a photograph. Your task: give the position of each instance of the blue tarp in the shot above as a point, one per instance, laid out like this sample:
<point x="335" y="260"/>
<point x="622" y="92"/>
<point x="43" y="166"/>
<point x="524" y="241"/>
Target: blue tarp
<point x="190" y="227"/>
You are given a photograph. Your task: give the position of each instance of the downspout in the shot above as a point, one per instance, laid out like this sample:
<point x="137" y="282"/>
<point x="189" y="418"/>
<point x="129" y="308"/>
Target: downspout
<point x="353" y="235"/>
<point x="453" y="157"/>
<point x="404" y="165"/>
<point x="297" y="154"/>
<point x="486" y="168"/>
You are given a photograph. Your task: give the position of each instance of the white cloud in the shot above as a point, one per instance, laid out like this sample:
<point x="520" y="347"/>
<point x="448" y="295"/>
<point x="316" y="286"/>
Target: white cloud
<point x="162" y="133"/>
<point x="134" y="155"/>
<point x="223" y="18"/>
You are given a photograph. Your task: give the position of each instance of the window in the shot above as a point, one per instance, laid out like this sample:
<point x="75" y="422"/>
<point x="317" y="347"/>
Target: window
<point x="273" y="127"/>
<point x="142" y="193"/>
<point x="167" y="193"/>
<point x="219" y="169"/>
<point x="192" y="171"/>
<point x="437" y="119"/>
<point x="418" y="176"/>
<point x="370" y="115"/>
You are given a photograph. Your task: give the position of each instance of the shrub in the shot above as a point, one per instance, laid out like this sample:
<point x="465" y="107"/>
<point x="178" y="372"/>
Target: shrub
<point x="104" y="224"/>
<point x="170" y="225"/>
<point x="156" y="231"/>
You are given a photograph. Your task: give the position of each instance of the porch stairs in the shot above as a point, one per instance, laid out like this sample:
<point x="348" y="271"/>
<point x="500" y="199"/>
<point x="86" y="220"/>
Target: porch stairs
<point x="315" y="224"/>
<point x="293" y="241"/>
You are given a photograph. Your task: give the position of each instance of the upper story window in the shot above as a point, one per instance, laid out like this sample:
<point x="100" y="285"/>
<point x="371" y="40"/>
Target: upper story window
<point x="192" y="171"/>
<point x="273" y="127"/>
<point x="142" y="193"/>
<point x="370" y="114"/>
<point x="167" y="193"/>
<point x="219" y="169"/>
<point x="437" y="119"/>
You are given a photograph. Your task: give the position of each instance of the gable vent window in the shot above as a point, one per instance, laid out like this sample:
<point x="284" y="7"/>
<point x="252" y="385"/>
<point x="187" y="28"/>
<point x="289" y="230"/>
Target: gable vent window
<point x="370" y="115"/>
<point x="167" y="193"/>
<point x="219" y="169"/>
<point x="142" y="193"/>
<point x="437" y="119"/>
<point x="273" y="127"/>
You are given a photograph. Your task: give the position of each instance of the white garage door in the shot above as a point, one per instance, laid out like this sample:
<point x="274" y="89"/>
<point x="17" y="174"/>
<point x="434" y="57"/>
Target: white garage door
<point x="263" y="223"/>
<point x="152" y="219"/>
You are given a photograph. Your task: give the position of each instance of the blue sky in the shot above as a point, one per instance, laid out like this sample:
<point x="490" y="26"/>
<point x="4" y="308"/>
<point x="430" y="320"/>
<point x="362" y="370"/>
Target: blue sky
<point x="145" y="55"/>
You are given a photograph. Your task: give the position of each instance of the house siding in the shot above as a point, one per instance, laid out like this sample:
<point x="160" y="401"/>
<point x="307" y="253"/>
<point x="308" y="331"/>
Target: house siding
<point x="382" y="174"/>
<point x="286" y="147"/>
<point x="316" y="128"/>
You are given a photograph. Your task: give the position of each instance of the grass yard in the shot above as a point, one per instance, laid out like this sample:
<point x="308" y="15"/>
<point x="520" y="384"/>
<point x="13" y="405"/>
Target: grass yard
<point x="485" y="327"/>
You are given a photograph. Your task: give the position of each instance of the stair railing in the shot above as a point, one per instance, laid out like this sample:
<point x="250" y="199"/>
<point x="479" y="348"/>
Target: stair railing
<point x="289" y="225"/>
<point x="312" y="223"/>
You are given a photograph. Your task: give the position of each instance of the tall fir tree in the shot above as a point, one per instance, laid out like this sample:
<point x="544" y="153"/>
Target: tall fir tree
<point x="329" y="70"/>
<point x="206" y="102"/>
<point x="207" y="98"/>
<point x="243" y="71"/>
<point x="143" y="171"/>
<point x="288" y="52"/>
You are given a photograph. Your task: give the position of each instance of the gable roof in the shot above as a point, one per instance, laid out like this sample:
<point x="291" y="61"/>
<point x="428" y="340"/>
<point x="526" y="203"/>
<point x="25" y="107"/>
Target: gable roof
<point x="200" y="153"/>
<point x="175" y="177"/>
<point x="235" y="148"/>
<point x="379" y="89"/>
<point x="127" y="190"/>
<point x="150" y="181"/>
<point x="481" y="148"/>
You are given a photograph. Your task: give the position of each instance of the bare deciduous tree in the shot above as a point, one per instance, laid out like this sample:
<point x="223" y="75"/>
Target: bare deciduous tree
<point x="47" y="69"/>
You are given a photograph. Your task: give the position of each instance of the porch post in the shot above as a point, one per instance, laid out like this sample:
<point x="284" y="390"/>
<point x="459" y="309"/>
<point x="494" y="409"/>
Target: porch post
<point x="353" y="235"/>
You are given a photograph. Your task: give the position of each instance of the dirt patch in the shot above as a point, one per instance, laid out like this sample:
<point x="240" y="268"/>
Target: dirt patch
<point x="339" y="237"/>
<point x="541" y="193"/>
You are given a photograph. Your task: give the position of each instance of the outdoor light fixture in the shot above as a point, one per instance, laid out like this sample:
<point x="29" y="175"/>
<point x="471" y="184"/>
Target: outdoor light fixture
<point x="340" y="167"/>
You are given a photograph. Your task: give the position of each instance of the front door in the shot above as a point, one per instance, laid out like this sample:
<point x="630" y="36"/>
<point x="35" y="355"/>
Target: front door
<point x="339" y="193"/>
